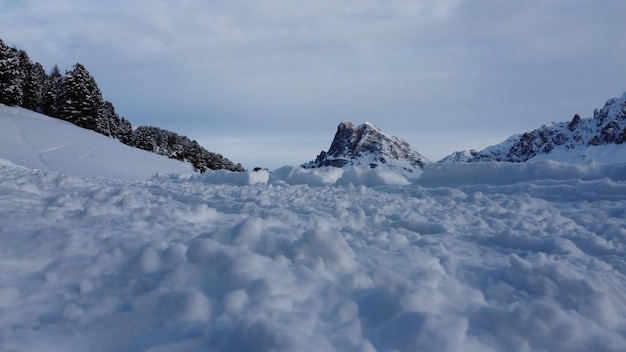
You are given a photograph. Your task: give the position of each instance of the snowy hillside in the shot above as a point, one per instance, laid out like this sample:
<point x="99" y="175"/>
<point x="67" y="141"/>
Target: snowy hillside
<point x="472" y="257"/>
<point x="600" y="138"/>
<point x="367" y="146"/>
<point x="41" y="142"/>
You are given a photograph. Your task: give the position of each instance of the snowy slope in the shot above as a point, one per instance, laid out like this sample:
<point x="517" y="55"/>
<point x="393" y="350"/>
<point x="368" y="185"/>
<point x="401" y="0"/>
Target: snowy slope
<point x="38" y="141"/>
<point x="472" y="257"/>
<point x="601" y="138"/>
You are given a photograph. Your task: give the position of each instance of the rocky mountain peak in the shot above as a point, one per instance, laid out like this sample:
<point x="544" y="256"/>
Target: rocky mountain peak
<point x="367" y="145"/>
<point x="607" y="126"/>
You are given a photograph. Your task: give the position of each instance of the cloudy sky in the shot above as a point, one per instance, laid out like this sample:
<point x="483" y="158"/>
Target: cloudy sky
<point x="267" y="82"/>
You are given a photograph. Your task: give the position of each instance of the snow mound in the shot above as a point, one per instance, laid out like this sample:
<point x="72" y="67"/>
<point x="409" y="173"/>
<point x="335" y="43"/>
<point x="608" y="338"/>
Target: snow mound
<point x="295" y="175"/>
<point x="369" y="177"/>
<point x="328" y="176"/>
<point x="441" y="174"/>
<point x="225" y="177"/>
<point x="502" y="173"/>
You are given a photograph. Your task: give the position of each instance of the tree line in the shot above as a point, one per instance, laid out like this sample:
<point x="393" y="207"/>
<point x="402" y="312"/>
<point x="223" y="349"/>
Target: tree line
<point x="76" y="98"/>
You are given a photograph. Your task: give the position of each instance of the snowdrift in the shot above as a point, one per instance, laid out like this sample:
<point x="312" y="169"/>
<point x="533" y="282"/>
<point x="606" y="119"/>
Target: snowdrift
<point x="501" y="173"/>
<point x="450" y="174"/>
<point x="327" y="176"/>
<point x="222" y="262"/>
<point x="295" y="175"/>
<point x="223" y="177"/>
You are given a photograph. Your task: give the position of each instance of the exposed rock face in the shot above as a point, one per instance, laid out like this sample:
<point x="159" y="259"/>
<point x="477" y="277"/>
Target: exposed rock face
<point x="608" y="126"/>
<point x="366" y="145"/>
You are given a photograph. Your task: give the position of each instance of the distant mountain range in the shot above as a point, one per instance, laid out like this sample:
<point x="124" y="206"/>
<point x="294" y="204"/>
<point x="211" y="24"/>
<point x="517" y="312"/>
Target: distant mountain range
<point x="599" y="138"/>
<point x="366" y="145"/>
<point x="572" y="141"/>
<point x="75" y="97"/>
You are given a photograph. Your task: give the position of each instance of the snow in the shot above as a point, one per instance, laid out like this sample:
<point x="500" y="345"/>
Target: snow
<point x="608" y="153"/>
<point x="471" y="257"/>
<point x="37" y="141"/>
<point x="501" y="173"/>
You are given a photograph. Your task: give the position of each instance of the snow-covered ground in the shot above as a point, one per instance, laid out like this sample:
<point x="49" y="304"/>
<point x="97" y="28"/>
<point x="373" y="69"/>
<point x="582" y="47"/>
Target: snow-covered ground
<point x="472" y="257"/>
<point x="37" y="141"/>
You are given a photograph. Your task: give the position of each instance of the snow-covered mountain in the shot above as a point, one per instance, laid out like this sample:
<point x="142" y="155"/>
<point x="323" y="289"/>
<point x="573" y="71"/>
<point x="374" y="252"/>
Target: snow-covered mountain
<point x="366" y="145"/>
<point x="599" y="138"/>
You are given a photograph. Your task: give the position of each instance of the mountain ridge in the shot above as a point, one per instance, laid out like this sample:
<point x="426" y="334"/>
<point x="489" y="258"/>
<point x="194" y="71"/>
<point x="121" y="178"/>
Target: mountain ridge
<point x="573" y="140"/>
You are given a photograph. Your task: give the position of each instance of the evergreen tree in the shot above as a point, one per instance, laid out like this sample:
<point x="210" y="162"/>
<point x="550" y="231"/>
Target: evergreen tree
<point x="193" y="153"/>
<point x="175" y="145"/>
<point x="81" y="99"/>
<point x="172" y="145"/>
<point x="108" y="121"/>
<point x="124" y="132"/>
<point x="143" y="138"/>
<point x="11" y="78"/>
<point x="33" y="82"/>
<point x="53" y="87"/>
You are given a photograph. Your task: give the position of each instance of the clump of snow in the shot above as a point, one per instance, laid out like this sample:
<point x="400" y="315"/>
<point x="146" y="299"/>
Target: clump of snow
<point x="244" y="178"/>
<point x="327" y="176"/>
<point x="294" y="175"/>
<point x="371" y="177"/>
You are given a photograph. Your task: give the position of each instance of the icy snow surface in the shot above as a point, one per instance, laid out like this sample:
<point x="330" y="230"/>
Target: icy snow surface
<point x="513" y="257"/>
